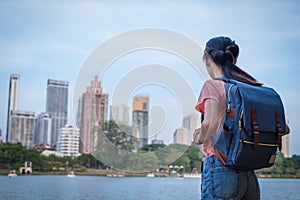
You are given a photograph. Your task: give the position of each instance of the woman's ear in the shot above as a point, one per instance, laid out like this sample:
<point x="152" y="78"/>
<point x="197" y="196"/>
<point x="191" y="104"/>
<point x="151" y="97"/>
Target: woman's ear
<point x="207" y="62"/>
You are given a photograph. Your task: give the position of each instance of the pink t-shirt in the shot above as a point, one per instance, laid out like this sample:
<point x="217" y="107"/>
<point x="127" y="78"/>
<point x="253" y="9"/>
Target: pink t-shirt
<point x="212" y="89"/>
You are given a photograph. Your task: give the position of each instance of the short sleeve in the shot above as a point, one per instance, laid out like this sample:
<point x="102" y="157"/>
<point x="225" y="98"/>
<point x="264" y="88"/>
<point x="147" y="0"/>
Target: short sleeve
<point x="212" y="89"/>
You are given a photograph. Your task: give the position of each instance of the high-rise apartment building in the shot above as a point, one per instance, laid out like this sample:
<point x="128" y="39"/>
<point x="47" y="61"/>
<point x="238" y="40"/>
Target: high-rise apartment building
<point x="286" y="146"/>
<point x="140" y="115"/>
<point x="181" y="136"/>
<point x="43" y="129"/>
<point x="22" y="127"/>
<point x="57" y="105"/>
<point x="120" y="114"/>
<point x="190" y="122"/>
<point x="13" y="95"/>
<point x="93" y="108"/>
<point x="68" y="141"/>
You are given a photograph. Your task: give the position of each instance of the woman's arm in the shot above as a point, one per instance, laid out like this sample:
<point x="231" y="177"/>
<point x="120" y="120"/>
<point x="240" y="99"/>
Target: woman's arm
<point x="210" y="123"/>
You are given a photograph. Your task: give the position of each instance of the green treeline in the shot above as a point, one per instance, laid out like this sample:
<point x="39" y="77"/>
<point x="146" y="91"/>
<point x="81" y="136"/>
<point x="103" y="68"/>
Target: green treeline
<point x="118" y="150"/>
<point x="12" y="156"/>
<point x="283" y="167"/>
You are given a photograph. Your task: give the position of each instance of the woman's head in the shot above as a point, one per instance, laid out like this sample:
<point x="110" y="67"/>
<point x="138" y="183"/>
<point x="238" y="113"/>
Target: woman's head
<point x="222" y="49"/>
<point x="224" y="52"/>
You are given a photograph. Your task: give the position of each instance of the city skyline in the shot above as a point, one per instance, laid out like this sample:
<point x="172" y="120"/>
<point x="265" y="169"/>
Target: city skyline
<point x="119" y="108"/>
<point x="43" y="122"/>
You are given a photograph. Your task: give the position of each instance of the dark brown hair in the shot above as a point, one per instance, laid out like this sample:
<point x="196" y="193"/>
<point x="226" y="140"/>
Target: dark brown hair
<point x="224" y="52"/>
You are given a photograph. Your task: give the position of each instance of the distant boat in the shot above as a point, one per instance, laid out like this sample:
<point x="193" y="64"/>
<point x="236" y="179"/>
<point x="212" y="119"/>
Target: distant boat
<point x="174" y="174"/>
<point x="71" y="175"/>
<point x="192" y="175"/>
<point x="115" y="175"/>
<point x="12" y="174"/>
<point x="150" y="175"/>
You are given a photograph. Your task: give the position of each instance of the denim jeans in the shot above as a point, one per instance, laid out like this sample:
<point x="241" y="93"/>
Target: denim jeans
<point x="220" y="182"/>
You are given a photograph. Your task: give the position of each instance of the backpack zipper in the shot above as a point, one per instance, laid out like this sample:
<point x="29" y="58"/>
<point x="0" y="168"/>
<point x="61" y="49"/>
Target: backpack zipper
<point x="228" y="94"/>
<point x="228" y="107"/>
<point x="260" y="143"/>
<point x="240" y="120"/>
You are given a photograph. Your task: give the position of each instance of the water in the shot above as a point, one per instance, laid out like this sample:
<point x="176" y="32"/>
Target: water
<point x="125" y="188"/>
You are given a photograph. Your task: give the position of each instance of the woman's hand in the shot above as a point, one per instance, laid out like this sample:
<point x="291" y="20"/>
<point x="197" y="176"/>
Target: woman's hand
<point x="197" y="136"/>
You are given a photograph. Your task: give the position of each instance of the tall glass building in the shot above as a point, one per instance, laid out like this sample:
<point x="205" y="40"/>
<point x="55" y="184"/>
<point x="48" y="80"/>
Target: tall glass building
<point x="43" y="129"/>
<point x="57" y="106"/>
<point x="13" y="96"/>
<point x="140" y="112"/>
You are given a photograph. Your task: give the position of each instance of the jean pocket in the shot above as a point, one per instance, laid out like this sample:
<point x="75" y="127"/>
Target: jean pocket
<point x="225" y="183"/>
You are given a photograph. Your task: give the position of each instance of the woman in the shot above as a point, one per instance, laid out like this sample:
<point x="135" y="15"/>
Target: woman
<point x="218" y="181"/>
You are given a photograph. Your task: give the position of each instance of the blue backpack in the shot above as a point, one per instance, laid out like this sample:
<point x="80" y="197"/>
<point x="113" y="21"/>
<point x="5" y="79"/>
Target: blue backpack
<point x="253" y="127"/>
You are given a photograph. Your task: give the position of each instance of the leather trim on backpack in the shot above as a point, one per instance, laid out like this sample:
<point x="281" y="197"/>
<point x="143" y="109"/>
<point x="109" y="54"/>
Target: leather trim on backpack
<point x="221" y="156"/>
<point x="227" y="132"/>
<point x="232" y="112"/>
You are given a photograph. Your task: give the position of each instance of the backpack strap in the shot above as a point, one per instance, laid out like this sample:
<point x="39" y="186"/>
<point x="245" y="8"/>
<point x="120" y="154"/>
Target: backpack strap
<point x="255" y="128"/>
<point x="226" y="80"/>
<point x="279" y="130"/>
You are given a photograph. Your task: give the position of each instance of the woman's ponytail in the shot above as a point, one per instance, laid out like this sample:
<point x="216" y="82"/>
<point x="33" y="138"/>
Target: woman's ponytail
<point x="224" y="52"/>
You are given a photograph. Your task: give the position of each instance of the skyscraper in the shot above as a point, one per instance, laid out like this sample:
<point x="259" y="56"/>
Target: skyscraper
<point x="286" y="143"/>
<point x="120" y="114"/>
<point x="43" y="129"/>
<point x="286" y="146"/>
<point x="22" y="126"/>
<point x="140" y="115"/>
<point x="57" y="105"/>
<point x="93" y="106"/>
<point x="180" y="136"/>
<point x="13" y="95"/>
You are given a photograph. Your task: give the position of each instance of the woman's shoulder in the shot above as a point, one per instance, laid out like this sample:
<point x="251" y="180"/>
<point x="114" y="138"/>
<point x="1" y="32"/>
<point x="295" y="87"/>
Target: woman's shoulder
<point x="215" y="83"/>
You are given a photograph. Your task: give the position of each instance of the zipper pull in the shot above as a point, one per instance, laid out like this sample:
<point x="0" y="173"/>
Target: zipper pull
<point x="240" y="125"/>
<point x="228" y="107"/>
<point x="240" y="120"/>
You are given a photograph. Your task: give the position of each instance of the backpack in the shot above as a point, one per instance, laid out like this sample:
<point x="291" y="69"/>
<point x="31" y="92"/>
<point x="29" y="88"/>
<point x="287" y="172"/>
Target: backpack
<point x="253" y="127"/>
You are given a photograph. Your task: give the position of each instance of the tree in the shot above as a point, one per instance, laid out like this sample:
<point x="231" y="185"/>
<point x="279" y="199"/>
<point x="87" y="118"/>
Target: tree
<point x="142" y="162"/>
<point x="195" y="156"/>
<point x="152" y="147"/>
<point x="119" y="135"/>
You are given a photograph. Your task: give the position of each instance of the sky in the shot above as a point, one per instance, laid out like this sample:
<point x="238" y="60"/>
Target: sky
<point x="54" y="39"/>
